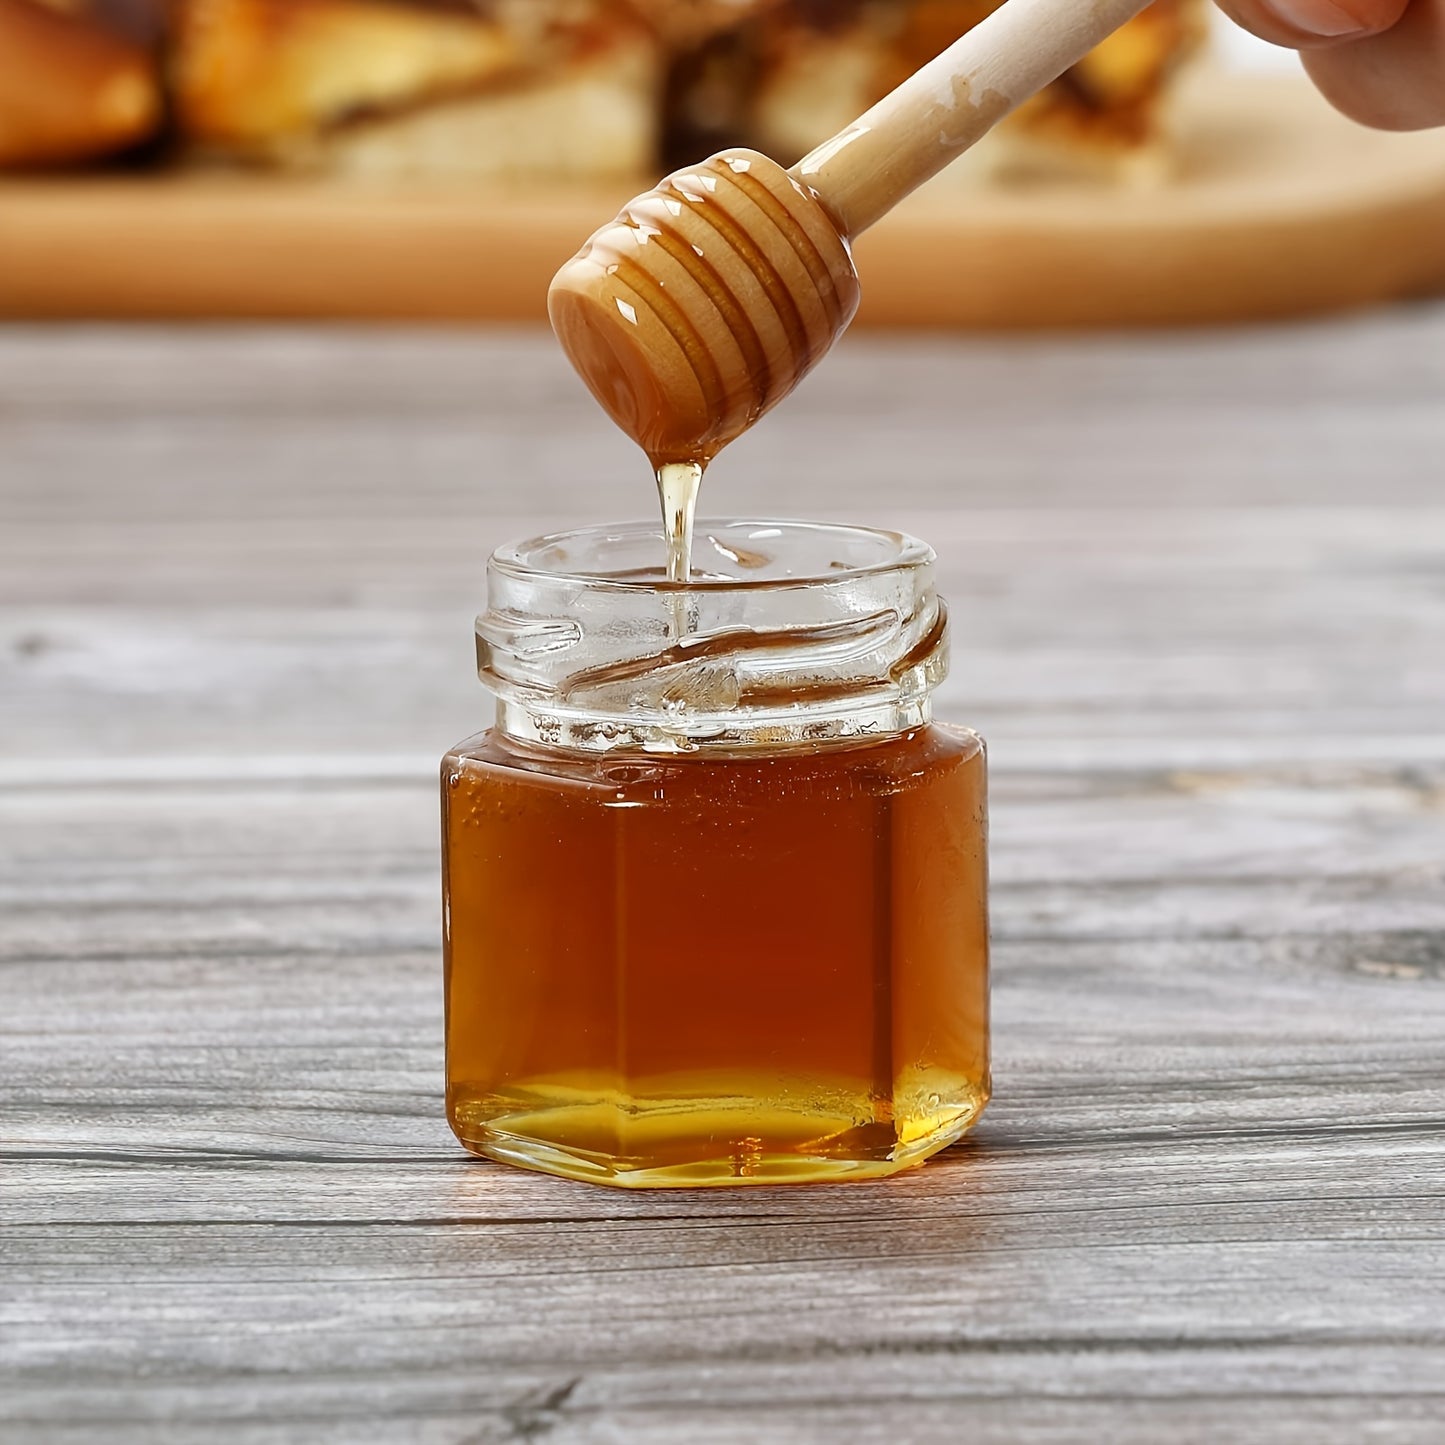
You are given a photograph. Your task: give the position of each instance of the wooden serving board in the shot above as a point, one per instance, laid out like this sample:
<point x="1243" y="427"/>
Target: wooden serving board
<point x="1279" y="207"/>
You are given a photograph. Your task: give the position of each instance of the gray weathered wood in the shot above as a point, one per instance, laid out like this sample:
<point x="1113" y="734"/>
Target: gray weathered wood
<point x="1200" y="583"/>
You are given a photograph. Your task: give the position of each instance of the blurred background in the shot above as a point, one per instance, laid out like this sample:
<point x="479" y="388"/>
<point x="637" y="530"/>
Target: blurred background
<point x="439" y="158"/>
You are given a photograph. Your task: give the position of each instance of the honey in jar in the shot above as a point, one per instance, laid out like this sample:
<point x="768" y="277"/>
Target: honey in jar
<point x="715" y="882"/>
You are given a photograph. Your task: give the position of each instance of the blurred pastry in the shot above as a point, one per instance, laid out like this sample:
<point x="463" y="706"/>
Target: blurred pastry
<point x="790" y="73"/>
<point x="685" y="23"/>
<point x="540" y="88"/>
<point x="1110" y="115"/>
<point x="140" y="20"/>
<point x="382" y="87"/>
<point x="77" y="82"/>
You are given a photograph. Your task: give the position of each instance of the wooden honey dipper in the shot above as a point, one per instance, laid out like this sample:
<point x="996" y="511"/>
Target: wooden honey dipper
<point x="706" y="301"/>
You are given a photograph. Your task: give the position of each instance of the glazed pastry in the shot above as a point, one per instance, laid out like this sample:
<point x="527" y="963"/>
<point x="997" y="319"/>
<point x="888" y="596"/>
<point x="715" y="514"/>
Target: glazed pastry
<point x="77" y="82"/>
<point x="375" y="86"/>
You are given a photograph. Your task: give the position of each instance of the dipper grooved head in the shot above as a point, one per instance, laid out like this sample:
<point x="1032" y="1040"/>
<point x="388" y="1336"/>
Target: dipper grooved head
<point x="705" y="303"/>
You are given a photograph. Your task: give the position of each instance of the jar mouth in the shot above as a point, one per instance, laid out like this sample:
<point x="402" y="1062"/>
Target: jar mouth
<point x="728" y="554"/>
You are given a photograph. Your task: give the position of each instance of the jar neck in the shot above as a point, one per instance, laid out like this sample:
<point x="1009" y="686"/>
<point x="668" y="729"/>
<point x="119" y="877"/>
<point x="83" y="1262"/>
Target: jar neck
<point x="851" y="722"/>
<point x="787" y="634"/>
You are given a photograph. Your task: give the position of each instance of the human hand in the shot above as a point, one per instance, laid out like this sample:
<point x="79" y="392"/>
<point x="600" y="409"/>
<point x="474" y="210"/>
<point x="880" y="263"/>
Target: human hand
<point x="1381" y="62"/>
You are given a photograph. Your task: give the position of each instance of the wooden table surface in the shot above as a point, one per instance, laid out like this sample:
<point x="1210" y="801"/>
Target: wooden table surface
<point x="1199" y="588"/>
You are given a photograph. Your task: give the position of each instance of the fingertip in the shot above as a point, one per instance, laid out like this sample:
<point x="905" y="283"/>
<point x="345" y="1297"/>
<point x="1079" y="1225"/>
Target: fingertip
<point x="1309" y="24"/>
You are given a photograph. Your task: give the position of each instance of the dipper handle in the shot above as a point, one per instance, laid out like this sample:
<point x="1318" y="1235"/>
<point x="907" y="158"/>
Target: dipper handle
<point x="937" y="113"/>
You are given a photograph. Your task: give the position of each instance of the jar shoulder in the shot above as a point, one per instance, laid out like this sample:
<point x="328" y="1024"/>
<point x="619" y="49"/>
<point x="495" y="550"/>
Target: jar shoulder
<point x="883" y="763"/>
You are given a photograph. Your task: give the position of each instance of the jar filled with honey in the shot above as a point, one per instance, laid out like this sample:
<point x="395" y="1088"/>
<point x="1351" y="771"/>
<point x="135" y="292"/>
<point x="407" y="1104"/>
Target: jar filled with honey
<point x="715" y="881"/>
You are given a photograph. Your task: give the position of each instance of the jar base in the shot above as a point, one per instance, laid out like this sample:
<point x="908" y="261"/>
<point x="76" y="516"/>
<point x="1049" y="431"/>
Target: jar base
<point x="700" y="1142"/>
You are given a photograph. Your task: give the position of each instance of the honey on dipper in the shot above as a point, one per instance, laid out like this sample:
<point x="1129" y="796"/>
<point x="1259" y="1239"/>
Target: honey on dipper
<point x="699" y="309"/>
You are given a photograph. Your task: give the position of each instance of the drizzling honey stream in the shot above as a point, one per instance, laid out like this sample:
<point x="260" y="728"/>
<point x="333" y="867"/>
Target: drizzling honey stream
<point x="678" y="484"/>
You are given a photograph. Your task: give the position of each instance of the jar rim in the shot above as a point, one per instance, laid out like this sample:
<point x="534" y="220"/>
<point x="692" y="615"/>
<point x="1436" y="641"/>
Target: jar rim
<point x="522" y="560"/>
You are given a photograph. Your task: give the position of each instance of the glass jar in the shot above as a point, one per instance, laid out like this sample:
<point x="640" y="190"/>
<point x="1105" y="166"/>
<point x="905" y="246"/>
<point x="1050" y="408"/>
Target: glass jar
<point x="715" y="883"/>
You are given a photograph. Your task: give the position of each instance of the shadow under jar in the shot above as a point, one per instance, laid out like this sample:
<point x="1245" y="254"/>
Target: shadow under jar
<point x="715" y="883"/>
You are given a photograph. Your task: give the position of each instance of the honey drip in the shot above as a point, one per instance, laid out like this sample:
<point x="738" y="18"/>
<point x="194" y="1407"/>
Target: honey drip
<point x="677" y="487"/>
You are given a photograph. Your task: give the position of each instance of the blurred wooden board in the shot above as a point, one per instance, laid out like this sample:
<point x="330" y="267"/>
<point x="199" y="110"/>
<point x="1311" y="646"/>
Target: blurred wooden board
<point x="1279" y="207"/>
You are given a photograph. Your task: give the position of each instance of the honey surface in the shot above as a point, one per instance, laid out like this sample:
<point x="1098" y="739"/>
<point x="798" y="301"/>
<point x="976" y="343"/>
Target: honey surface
<point x="731" y="969"/>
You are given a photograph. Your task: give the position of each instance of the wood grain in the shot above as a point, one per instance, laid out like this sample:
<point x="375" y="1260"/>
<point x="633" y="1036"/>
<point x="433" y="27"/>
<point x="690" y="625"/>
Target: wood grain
<point x="1200" y="582"/>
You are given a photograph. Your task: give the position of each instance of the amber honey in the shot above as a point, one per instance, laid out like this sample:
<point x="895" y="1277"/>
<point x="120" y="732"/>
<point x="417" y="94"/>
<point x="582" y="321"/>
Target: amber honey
<point x="710" y="970"/>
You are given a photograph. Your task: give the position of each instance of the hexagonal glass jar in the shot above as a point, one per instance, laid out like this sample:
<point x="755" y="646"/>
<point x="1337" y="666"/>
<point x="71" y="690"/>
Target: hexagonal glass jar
<point x="715" y="882"/>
